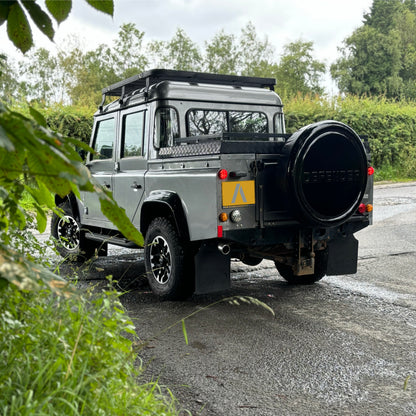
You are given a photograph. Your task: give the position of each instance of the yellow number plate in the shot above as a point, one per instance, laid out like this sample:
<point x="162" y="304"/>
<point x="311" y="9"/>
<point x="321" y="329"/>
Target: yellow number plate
<point x="238" y="193"/>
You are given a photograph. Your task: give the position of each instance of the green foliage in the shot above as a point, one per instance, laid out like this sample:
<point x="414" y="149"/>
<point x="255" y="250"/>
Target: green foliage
<point x="87" y="73"/>
<point x="35" y="159"/>
<point x="255" y="55"/>
<point x="221" y="54"/>
<point x="60" y="353"/>
<point x="298" y="71"/>
<point x="78" y="76"/>
<point x="18" y="26"/>
<point x="180" y="53"/>
<point x="70" y="356"/>
<point x="379" y="58"/>
<point x="75" y="122"/>
<point x="389" y="126"/>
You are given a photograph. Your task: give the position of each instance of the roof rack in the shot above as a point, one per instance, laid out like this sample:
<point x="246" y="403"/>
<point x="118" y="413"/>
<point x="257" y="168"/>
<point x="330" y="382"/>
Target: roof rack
<point x="148" y="78"/>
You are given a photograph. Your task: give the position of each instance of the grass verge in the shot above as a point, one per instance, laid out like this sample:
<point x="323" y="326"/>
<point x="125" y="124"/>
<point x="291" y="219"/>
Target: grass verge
<point x="69" y="356"/>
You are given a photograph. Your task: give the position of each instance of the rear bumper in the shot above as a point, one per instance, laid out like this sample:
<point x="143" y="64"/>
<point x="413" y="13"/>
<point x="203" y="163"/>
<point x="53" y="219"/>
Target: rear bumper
<point x="288" y="232"/>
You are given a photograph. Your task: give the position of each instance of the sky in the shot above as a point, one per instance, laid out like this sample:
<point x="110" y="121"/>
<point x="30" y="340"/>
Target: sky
<point x="324" y="22"/>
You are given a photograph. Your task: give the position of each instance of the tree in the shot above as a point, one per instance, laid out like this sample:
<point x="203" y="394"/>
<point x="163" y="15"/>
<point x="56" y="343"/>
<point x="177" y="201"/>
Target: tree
<point x="298" y="71"/>
<point x="44" y="80"/>
<point x="180" y="53"/>
<point x="221" y="54"/>
<point x="91" y="71"/>
<point x="254" y="54"/>
<point x="379" y="57"/>
<point x="382" y="15"/>
<point x="128" y="56"/>
<point x="9" y="86"/>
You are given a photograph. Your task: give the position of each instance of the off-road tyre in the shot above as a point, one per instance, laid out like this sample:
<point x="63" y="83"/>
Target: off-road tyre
<point x="321" y="262"/>
<point x="70" y="241"/>
<point x="169" y="263"/>
<point x="251" y="261"/>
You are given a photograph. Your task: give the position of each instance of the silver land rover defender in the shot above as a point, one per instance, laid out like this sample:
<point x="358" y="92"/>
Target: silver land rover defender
<point x="203" y="167"/>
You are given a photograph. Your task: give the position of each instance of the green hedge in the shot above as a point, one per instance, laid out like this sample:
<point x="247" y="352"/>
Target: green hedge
<point x="71" y="121"/>
<point x="390" y="126"/>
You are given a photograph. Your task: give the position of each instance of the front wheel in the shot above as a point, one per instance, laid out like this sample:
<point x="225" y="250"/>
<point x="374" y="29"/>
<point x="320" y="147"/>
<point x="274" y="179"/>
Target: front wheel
<point x="168" y="265"/>
<point x="70" y="241"/>
<point x="321" y="261"/>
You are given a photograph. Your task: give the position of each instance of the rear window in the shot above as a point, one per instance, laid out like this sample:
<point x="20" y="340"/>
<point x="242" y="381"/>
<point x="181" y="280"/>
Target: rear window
<point x="202" y="122"/>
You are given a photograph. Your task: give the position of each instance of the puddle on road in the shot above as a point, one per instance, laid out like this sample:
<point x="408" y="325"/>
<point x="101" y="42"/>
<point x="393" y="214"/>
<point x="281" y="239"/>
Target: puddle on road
<point x="369" y="290"/>
<point x="394" y="201"/>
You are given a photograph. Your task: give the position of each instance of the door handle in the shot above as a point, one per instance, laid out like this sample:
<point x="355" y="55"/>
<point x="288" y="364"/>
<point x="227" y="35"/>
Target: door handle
<point x="136" y="186"/>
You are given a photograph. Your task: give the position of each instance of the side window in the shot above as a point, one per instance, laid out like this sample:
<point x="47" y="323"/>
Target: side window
<point x="201" y="122"/>
<point x="279" y="123"/>
<point x="132" y="136"/>
<point x="166" y="127"/>
<point x="248" y="122"/>
<point x="104" y="139"/>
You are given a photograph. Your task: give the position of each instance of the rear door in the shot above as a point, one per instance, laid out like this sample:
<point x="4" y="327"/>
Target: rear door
<point x="131" y="161"/>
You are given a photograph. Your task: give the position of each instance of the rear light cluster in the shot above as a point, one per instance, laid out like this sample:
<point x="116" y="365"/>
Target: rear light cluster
<point x="363" y="208"/>
<point x="235" y="215"/>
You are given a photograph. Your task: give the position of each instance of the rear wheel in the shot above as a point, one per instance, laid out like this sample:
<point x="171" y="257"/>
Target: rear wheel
<point x="169" y="266"/>
<point x="251" y="261"/>
<point x="70" y="241"/>
<point x="321" y="261"/>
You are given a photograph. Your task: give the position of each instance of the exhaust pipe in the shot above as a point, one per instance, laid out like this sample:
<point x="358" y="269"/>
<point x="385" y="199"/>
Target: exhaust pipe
<point x="224" y="249"/>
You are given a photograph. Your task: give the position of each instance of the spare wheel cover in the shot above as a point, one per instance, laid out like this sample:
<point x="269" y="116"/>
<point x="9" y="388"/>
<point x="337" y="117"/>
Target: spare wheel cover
<point x="329" y="173"/>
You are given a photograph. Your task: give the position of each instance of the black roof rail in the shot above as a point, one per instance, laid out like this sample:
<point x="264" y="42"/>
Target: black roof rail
<point x="148" y="78"/>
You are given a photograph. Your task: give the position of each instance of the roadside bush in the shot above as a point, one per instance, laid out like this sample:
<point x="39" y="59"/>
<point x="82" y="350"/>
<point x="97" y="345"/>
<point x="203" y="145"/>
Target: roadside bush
<point x="68" y="355"/>
<point x="389" y="126"/>
<point x="71" y="121"/>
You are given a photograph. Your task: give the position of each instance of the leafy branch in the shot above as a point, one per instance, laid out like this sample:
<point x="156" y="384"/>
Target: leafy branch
<point x="16" y="13"/>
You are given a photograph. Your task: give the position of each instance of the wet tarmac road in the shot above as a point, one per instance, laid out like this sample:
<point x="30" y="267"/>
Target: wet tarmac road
<point x="344" y="346"/>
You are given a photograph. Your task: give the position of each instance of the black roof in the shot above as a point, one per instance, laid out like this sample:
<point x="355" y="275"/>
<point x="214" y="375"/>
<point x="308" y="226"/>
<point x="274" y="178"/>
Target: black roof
<point x="147" y="78"/>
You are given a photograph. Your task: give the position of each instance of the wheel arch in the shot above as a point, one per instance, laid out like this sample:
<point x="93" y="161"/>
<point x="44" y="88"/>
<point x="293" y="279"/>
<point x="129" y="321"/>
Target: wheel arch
<point x="72" y="199"/>
<point x="164" y="204"/>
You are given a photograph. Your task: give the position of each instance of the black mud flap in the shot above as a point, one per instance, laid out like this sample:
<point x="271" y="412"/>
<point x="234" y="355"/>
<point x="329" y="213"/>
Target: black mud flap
<point x="342" y="256"/>
<point x="212" y="270"/>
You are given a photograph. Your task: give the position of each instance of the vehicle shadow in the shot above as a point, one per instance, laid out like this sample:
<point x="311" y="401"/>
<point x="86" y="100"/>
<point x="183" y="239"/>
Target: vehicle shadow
<point x="127" y="271"/>
<point x="128" y="274"/>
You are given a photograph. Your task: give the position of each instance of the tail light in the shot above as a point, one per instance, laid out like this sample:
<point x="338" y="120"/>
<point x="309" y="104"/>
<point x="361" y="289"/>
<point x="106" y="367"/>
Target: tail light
<point x="222" y="174"/>
<point x="361" y="208"/>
